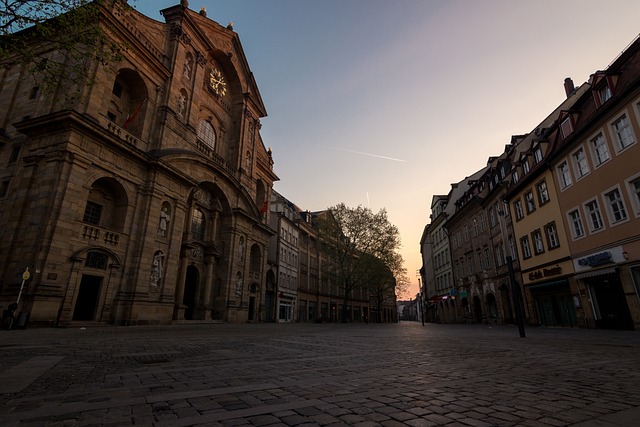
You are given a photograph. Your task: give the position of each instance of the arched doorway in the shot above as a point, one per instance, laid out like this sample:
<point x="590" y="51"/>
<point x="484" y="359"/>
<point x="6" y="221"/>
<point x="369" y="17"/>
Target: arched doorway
<point x="270" y="297"/>
<point x="477" y="309"/>
<point x="190" y="291"/>
<point x="253" y="289"/>
<point x="492" y="306"/>
<point x="88" y="297"/>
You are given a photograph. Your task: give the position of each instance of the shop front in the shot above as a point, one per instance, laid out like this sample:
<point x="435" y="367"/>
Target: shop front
<point x="599" y="274"/>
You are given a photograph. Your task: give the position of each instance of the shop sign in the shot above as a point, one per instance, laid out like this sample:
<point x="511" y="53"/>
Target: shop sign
<point x="463" y="294"/>
<point x="545" y="272"/>
<point x="596" y="259"/>
<point x="613" y="255"/>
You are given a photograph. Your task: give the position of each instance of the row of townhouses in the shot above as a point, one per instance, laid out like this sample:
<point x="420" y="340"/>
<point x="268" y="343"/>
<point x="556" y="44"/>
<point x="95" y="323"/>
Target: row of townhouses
<point x="302" y="291"/>
<point x="549" y="229"/>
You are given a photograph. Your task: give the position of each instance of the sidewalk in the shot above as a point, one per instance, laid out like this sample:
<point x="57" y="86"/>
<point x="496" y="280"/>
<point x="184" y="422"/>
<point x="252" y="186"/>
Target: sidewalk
<point x="331" y="374"/>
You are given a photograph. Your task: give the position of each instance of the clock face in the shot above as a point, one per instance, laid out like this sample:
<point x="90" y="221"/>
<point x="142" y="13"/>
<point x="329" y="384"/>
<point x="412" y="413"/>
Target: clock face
<point x="217" y="83"/>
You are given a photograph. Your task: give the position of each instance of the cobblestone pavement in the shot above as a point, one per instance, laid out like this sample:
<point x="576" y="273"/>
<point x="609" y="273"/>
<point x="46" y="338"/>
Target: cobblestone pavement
<point x="319" y="375"/>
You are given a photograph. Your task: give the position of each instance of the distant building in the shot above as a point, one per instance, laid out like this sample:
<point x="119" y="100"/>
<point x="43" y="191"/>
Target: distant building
<point x="302" y="292"/>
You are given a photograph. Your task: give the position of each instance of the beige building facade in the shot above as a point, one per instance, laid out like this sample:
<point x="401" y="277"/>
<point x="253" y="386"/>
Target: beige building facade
<point x="597" y="177"/>
<point x="141" y="202"/>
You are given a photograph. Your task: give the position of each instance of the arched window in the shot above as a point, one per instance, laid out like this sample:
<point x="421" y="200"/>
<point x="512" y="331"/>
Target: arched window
<point x="255" y="262"/>
<point x="207" y="134"/>
<point x="198" y="225"/>
<point x="106" y="204"/>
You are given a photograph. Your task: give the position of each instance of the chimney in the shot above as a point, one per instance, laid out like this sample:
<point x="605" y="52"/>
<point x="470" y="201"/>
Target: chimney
<point x="568" y="86"/>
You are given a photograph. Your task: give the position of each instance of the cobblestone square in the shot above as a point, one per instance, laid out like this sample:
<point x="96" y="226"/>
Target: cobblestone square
<point x="319" y="375"/>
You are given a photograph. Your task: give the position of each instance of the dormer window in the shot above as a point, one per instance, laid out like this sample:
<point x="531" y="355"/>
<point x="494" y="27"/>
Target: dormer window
<point x="604" y="93"/>
<point x="603" y="87"/>
<point x="566" y="127"/>
<point x="537" y="154"/>
<point x="525" y="166"/>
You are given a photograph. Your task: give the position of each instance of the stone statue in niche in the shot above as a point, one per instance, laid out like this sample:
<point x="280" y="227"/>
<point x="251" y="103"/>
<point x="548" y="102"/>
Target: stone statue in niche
<point x="182" y="104"/>
<point x="241" y="250"/>
<point x="157" y="266"/>
<point x="188" y="66"/>
<point x="165" y="218"/>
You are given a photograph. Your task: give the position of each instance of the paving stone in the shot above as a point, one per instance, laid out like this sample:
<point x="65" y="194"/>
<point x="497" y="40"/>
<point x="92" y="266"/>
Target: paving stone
<point x="296" y="374"/>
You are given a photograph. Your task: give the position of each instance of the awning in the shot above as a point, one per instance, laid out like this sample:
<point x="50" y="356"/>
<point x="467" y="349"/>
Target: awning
<point x="595" y="273"/>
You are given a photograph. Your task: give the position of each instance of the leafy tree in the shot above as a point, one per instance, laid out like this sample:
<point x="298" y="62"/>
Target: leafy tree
<point x="360" y="249"/>
<point x="57" y="39"/>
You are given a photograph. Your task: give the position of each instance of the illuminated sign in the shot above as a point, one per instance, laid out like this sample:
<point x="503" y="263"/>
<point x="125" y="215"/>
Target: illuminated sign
<point x="596" y="259"/>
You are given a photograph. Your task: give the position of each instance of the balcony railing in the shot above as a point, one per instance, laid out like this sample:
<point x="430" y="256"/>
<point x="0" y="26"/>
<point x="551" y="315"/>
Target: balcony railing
<point x="122" y="134"/>
<point x="97" y="234"/>
<point x="215" y="157"/>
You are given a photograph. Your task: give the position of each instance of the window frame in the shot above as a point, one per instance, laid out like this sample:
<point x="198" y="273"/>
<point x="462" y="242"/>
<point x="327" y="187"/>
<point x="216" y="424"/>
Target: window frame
<point x="551" y="233"/>
<point x="594" y="149"/>
<point x="205" y="137"/>
<point x="526" y="247"/>
<point x="547" y="198"/>
<point x="92" y="213"/>
<point x="538" y="156"/>
<point x="530" y="202"/>
<point x="634" y="193"/>
<point x="537" y="241"/>
<point x="565" y="179"/>
<point x="591" y="217"/>
<point x="578" y="163"/>
<point x="616" y="133"/>
<point x="609" y="206"/>
<point x="518" y="209"/>
<point x="574" y="221"/>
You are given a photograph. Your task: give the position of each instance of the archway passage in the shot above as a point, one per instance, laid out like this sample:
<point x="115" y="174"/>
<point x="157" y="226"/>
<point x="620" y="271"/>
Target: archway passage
<point x="190" y="292"/>
<point x="88" y="296"/>
<point x="477" y="309"/>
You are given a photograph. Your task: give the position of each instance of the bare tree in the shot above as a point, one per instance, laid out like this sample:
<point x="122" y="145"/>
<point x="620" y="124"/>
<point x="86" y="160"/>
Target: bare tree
<point x="57" y="39"/>
<point x="358" y="246"/>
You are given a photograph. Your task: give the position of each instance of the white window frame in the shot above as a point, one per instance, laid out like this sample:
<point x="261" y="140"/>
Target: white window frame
<point x="627" y="130"/>
<point x="530" y="201"/>
<point x="576" y="221"/>
<point x="551" y="232"/>
<point x="564" y="175"/>
<point x="538" y="242"/>
<point x="580" y="164"/>
<point x="595" y="153"/>
<point x="590" y="217"/>
<point x="537" y="154"/>
<point x="622" y="208"/>
<point x="518" y="209"/>
<point x="634" y="193"/>
<point x="526" y="247"/>
<point x="543" y="195"/>
<point x="604" y="93"/>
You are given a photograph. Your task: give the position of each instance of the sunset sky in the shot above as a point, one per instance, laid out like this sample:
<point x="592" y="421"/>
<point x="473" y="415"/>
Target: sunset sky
<point x="384" y="103"/>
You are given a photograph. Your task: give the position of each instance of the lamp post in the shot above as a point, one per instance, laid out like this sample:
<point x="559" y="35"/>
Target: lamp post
<point x="421" y="296"/>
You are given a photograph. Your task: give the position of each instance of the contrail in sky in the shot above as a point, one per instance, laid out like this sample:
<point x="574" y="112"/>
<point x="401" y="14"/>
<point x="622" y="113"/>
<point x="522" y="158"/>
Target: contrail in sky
<point x="370" y="154"/>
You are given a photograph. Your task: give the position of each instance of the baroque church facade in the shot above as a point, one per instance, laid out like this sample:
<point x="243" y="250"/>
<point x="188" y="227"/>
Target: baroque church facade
<point x="146" y="200"/>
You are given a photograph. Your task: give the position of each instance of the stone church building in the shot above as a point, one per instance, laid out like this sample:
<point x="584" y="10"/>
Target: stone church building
<point x="145" y="200"/>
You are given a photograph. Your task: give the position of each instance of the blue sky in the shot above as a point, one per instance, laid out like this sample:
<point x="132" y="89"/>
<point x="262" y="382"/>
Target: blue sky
<point x="384" y="103"/>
